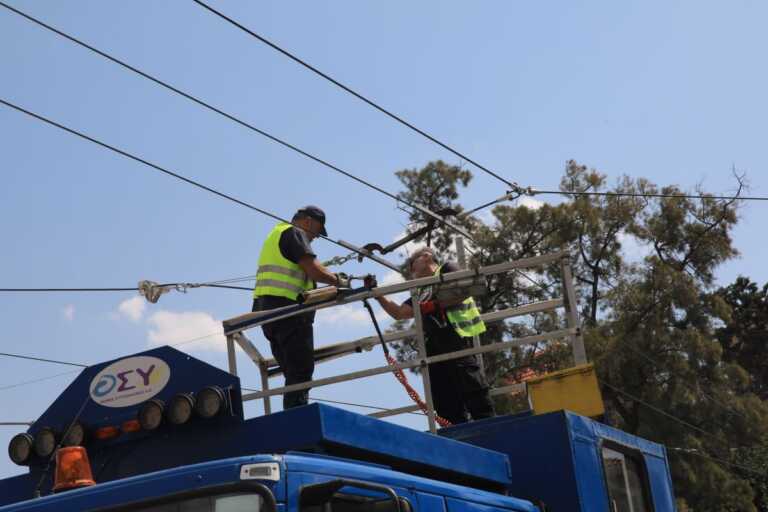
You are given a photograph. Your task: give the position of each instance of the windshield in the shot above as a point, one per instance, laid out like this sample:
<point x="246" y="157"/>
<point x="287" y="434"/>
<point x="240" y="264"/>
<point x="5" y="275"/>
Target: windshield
<point x="239" y="502"/>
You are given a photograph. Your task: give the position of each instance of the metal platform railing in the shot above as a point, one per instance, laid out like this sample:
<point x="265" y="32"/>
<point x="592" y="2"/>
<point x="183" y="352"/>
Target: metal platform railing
<point x="234" y="329"/>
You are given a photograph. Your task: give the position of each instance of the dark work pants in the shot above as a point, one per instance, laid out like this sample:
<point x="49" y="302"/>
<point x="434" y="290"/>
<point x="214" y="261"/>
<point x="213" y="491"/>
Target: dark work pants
<point x="459" y="389"/>
<point x="292" y="342"/>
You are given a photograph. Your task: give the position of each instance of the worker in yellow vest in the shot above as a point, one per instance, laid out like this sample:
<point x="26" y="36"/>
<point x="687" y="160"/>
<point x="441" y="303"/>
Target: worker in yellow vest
<point x="459" y="388"/>
<point x="287" y="267"/>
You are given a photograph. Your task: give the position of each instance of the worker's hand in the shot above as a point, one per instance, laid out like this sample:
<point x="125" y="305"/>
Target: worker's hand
<point x="428" y="307"/>
<point x="369" y="281"/>
<point x="342" y="280"/>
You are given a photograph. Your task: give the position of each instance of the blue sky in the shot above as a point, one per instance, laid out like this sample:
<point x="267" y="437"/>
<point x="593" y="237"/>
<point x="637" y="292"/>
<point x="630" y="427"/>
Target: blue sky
<point x="670" y="91"/>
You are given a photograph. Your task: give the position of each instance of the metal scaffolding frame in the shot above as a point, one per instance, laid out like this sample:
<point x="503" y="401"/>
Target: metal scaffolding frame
<point x="234" y="330"/>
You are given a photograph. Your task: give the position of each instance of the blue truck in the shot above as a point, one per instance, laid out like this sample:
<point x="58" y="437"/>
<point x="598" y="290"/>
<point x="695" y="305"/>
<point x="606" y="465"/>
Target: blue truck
<point x="164" y="432"/>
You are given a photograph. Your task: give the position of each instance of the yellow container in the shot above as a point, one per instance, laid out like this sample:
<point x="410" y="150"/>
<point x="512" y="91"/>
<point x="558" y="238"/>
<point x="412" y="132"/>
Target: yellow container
<point x="574" y="389"/>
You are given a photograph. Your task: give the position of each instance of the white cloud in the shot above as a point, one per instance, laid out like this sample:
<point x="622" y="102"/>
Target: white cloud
<point x="169" y="328"/>
<point x="68" y="312"/>
<point x="132" y="308"/>
<point x="348" y="314"/>
<point x="529" y="202"/>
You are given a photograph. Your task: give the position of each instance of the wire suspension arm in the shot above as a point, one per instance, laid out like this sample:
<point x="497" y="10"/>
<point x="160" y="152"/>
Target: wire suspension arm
<point x="356" y="94"/>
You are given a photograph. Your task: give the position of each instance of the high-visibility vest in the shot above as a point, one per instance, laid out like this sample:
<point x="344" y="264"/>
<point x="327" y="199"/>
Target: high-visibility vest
<point x="277" y="275"/>
<point x="464" y="317"/>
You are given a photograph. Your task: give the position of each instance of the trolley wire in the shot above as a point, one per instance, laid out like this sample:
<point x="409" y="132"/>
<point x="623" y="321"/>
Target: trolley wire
<point x="662" y="412"/>
<point x="649" y="194"/>
<point x="698" y="453"/>
<point x="231" y="117"/>
<point x="161" y="169"/>
<point x="42" y="359"/>
<point x="685" y="382"/>
<point x="356" y="94"/>
<point x="34" y="381"/>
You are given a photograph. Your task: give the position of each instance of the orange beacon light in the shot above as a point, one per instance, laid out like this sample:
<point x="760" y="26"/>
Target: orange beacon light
<point x="72" y="469"/>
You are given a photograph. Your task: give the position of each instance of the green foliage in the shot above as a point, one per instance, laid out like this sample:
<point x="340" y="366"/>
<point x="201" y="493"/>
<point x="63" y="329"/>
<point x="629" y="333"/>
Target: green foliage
<point x="689" y="362"/>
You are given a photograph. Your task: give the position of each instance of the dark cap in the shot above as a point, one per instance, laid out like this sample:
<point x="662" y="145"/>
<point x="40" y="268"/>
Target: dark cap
<point x="315" y="213"/>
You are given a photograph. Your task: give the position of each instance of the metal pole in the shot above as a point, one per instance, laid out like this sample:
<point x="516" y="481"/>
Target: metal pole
<point x="462" y="256"/>
<point x="264" y="370"/>
<point x="422" y="348"/>
<point x="572" y="313"/>
<point x="231" y="354"/>
<point x="501" y="345"/>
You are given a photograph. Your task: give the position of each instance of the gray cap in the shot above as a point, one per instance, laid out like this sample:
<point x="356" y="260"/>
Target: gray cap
<point x="316" y="213"/>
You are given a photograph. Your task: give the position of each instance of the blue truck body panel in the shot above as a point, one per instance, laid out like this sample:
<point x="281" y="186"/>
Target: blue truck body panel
<point x="556" y="458"/>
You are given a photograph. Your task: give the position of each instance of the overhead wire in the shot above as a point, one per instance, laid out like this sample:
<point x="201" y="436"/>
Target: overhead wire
<point x="34" y="381"/>
<point x="230" y="117"/>
<point x="697" y="453"/>
<point x="159" y="168"/>
<point x="186" y="285"/>
<point x="42" y="359"/>
<point x="690" y="426"/>
<point x="648" y="194"/>
<point x="684" y="381"/>
<point x="662" y="412"/>
<point x="355" y="93"/>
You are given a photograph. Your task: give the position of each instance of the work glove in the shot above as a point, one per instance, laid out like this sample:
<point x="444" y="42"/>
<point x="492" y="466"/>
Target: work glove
<point x="369" y="281"/>
<point x="429" y="307"/>
<point x="342" y="280"/>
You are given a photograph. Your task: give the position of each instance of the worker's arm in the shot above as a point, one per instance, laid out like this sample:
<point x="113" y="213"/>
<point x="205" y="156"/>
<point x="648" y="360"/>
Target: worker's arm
<point x="316" y="271"/>
<point x="396" y="311"/>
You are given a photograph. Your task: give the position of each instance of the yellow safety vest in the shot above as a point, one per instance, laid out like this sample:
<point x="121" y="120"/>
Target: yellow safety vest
<point x="464" y="317"/>
<point x="277" y="275"/>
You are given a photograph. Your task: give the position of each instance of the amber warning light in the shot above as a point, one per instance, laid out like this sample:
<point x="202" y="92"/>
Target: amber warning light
<point x="72" y="469"/>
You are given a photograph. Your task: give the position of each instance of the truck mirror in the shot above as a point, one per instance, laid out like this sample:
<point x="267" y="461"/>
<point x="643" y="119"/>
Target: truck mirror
<point x="322" y="493"/>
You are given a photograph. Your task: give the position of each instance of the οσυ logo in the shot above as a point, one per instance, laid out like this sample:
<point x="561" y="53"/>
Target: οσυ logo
<point x="130" y="381"/>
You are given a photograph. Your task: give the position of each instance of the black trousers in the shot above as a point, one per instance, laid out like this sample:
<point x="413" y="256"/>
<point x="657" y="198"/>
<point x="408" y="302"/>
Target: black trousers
<point x="460" y="392"/>
<point x="293" y="344"/>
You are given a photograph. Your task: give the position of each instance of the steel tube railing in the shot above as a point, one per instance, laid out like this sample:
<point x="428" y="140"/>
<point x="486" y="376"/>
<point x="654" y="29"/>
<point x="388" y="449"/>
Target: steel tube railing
<point x="527" y="340"/>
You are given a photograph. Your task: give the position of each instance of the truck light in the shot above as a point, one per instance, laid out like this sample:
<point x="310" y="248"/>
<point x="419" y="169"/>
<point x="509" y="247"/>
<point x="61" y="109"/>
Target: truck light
<point x="130" y="426"/>
<point x="151" y="414"/>
<point x="20" y="448"/>
<point x="72" y="469"/>
<point x="180" y="408"/>
<point x="75" y="435"/>
<point x="104" y="433"/>
<point x="209" y="401"/>
<point x="45" y="442"/>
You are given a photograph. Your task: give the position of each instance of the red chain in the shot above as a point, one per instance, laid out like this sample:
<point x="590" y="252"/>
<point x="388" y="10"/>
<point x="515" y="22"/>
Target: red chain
<point x="400" y="375"/>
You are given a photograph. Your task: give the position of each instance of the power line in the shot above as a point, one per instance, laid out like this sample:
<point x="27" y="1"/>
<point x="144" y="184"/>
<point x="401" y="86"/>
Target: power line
<point x="41" y="359"/>
<point x="189" y="285"/>
<point x="34" y="381"/>
<point x="232" y="118"/>
<point x="534" y="192"/>
<point x="662" y="412"/>
<point x="697" y="453"/>
<point x="355" y="94"/>
<point x="684" y="381"/>
<point x="67" y="289"/>
<point x="157" y="167"/>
